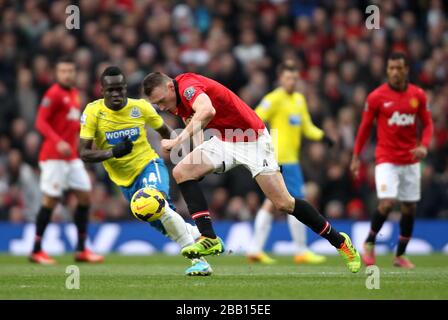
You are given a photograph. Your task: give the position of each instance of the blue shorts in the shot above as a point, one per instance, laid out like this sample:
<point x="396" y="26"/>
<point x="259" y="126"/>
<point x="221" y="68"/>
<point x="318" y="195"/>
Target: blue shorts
<point x="292" y="174"/>
<point x="154" y="175"/>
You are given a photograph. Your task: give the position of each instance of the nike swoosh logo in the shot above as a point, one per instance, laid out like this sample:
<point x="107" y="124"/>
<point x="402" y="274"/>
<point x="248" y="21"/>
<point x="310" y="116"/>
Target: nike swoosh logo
<point x="140" y="208"/>
<point x="388" y="104"/>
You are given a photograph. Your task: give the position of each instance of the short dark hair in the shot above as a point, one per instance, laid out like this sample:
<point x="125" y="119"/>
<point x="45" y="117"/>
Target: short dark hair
<point x="153" y="80"/>
<point x="287" y="65"/>
<point x="111" y="71"/>
<point x="397" y="55"/>
<point x="65" y="59"/>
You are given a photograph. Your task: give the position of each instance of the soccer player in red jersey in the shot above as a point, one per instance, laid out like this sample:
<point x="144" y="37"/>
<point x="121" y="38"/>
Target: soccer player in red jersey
<point x="61" y="168"/>
<point x="239" y="138"/>
<point x="396" y="106"/>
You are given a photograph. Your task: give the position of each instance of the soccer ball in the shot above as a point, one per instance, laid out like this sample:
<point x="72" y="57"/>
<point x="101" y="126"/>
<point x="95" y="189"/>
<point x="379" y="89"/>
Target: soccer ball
<point x="148" y="204"/>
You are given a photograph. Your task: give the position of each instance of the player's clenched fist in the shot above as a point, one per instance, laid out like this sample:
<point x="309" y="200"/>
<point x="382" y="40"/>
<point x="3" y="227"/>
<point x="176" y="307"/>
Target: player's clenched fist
<point x="122" y="148"/>
<point x="419" y="153"/>
<point x="64" y="148"/>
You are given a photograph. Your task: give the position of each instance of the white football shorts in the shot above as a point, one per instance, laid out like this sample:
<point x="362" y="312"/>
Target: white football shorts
<point x="59" y="175"/>
<point x="400" y="182"/>
<point x="257" y="156"/>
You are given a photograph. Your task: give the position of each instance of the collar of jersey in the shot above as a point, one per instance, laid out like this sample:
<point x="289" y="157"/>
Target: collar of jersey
<point x="124" y="106"/>
<point x="176" y="89"/>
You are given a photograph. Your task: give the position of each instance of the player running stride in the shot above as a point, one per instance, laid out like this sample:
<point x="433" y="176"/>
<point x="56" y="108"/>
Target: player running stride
<point x="240" y="139"/>
<point x="116" y="124"/>
<point x="395" y="105"/>
<point x="285" y="111"/>
<point x="61" y="168"/>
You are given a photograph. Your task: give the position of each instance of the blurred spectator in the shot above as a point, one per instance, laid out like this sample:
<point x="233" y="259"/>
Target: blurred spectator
<point x="237" y="210"/>
<point x="356" y="210"/>
<point x="249" y="50"/>
<point x="24" y="187"/>
<point x="334" y="210"/>
<point x="193" y="54"/>
<point x="8" y="108"/>
<point x="26" y="98"/>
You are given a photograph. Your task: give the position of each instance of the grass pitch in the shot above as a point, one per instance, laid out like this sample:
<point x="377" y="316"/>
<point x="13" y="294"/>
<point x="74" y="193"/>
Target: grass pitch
<point x="161" y="277"/>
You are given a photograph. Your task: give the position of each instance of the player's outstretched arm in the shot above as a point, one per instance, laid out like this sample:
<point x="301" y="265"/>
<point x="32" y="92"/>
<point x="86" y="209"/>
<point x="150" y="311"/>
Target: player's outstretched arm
<point x="88" y="154"/>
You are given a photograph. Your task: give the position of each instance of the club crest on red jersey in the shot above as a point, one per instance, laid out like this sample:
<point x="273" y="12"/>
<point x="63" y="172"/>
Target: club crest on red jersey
<point x="413" y="102"/>
<point x="45" y="102"/>
<point x="189" y="93"/>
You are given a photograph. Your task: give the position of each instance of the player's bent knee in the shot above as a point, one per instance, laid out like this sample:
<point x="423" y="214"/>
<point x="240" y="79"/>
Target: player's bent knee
<point x="179" y="174"/>
<point x="386" y="205"/>
<point x="285" y="204"/>
<point x="84" y="199"/>
<point x="49" y="202"/>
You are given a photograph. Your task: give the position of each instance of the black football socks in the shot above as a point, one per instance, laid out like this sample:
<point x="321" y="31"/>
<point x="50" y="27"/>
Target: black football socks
<point x="81" y="219"/>
<point x="197" y="205"/>
<point x="42" y="220"/>
<point x="378" y="220"/>
<point x="406" y="228"/>
<point x="305" y="213"/>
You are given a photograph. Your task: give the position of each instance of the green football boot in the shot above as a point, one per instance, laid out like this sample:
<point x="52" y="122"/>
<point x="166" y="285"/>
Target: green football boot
<point x="350" y="254"/>
<point x="204" y="247"/>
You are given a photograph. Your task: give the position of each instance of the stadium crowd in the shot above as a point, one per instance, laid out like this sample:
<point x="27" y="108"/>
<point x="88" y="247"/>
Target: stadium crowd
<point x="238" y="43"/>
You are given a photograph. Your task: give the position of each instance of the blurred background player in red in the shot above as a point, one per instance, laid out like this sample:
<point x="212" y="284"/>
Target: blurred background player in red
<point x="396" y="106"/>
<point x="61" y="168"/>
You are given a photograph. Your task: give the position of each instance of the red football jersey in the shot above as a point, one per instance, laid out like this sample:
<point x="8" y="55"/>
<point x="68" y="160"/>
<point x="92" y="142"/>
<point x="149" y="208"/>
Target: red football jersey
<point x="233" y="117"/>
<point x="396" y="113"/>
<point x="58" y="119"/>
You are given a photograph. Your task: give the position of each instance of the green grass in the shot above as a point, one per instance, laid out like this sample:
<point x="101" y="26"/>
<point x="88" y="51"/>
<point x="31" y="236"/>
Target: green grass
<point x="161" y="277"/>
